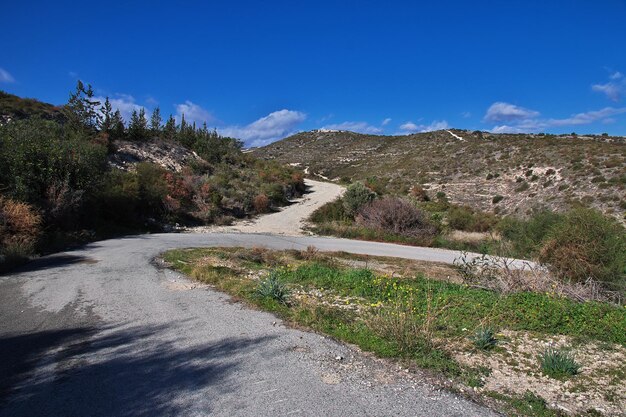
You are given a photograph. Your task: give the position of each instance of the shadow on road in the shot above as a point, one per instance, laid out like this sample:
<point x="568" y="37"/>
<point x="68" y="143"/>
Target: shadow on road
<point x="113" y="372"/>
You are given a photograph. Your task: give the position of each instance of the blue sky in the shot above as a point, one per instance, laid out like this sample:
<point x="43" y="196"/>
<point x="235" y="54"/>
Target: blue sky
<point x="262" y="70"/>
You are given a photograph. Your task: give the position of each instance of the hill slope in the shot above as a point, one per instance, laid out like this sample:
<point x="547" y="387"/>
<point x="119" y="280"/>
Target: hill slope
<point x="13" y="108"/>
<point x="527" y="171"/>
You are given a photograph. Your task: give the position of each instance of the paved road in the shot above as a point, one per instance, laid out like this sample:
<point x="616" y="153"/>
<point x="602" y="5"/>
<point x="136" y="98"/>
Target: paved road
<point x="102" y="331"/>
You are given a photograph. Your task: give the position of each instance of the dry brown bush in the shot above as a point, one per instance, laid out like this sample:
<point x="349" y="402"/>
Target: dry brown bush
<point x="261" y="203"/>
<point x="20" y="227"/>
<point x="397" y="216"/>
<point x="506" y="275"/>
<point x="19" y="223"/>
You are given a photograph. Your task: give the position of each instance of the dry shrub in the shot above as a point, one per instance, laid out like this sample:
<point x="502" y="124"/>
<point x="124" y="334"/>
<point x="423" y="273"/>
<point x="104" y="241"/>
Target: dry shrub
<point x="397" y="216"/>
<point x="261" y="203"/>
<point x="61" y="202"/>
<point x="311" y="253"/>
<point x="419" y="193"/>
<point x="506" y="275"/>
<point x="20" y="227"/>
<point x="257" y="254"/>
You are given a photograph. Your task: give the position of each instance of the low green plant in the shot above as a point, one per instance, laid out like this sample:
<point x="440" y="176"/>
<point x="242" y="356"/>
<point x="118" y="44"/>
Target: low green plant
<point x="272" y="287"/>
<point x="484" y="338"/>
<point x="558" y="363"/>
<point x="356" y="196"/>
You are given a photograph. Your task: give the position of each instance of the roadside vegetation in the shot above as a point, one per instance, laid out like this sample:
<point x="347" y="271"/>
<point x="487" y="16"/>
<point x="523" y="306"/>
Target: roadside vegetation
<point x="58" y="185"/>
<point x="535" y="353"/>
<point x="580" y="246"/>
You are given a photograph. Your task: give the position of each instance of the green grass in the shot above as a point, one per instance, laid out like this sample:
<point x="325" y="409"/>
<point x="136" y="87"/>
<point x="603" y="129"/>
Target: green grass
<point x="407" y="318"/>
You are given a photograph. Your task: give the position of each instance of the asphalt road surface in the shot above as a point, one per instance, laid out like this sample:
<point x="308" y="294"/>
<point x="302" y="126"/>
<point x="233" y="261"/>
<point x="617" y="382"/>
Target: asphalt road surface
<point x="103" y="331"/>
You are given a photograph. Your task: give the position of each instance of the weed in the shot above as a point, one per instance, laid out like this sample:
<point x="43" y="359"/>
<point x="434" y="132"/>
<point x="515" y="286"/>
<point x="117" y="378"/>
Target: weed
<point x="484" y="338"/>
<point x="272" y="287"/>
<point x="558" y="363"/>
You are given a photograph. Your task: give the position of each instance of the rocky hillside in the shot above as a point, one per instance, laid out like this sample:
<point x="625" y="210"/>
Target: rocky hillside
<point x="503" y="173"/>
<point x="169" y="155"/>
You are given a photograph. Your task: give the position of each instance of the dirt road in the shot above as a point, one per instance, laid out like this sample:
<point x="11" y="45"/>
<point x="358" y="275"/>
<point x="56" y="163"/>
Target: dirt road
<point x="289" y="220"/>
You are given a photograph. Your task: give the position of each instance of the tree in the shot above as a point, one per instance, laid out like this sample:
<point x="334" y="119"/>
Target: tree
<point x="138" y="127"/>
<point x="106" y="121"/>
<point x="118" y="130"/>
<point x="169" y="131"/>
<point x="155" y="122"/>
<point x="82" y="110"/>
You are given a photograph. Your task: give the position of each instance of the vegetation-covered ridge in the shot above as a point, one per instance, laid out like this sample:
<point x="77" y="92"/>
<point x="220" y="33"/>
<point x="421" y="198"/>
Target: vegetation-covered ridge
<point x="537" y="353"/>
<point x="499" y="173"/>
<point x="60" y="182"/>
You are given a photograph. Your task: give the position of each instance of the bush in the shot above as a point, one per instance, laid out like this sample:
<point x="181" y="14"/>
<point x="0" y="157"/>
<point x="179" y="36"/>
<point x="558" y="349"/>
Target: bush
<point x="329" y="212"/>
<point x="261" y="203"/>
<point x="36" y="154"/>
<point x="20" y="227"/>
<point x="466" y="219"/>
<point x="496" y="199"/>
<point x="397" y="216"/>
<point x="526" y="236"/>
<point x="356" y="196"/>
<point x="558" y="363"/>
<point x="587" y="244"/>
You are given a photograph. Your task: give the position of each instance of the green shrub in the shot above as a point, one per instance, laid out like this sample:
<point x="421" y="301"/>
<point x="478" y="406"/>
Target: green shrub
<point x="272" y="287"/>
<point x="496" y="199"/>
<point x="356" y="196"/>
<point x="37" y="154"/>
<point x="330" y="212"/>
<point x="484" y="338"/>
<point x="526" y="236"/>
<point x="469" y="220"/>
<point x="558" y="363"/>
<point x="587" y="244"/>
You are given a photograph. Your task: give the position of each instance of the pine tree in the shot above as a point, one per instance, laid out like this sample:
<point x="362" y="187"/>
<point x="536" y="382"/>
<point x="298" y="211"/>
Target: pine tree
<point x="169" y="131"/>
<point x="106" y="121"/>
<point x="155" y="122"/>
<point x="117" y="125"/>
<point x="81" y="109"/>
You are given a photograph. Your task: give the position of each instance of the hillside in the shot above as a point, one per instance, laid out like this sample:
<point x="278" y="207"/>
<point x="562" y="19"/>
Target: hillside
<point x="527" y="171"/>
<point x="14" y="108"/>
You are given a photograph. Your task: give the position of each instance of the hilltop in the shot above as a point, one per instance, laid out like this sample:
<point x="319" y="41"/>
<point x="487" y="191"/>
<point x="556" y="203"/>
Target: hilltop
<point x="14" y="108"/>
<point x="501" y="173"/>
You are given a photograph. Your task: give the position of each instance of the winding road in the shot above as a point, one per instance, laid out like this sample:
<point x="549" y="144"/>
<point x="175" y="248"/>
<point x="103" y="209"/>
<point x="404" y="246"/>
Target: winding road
<point x="104" y="331"/>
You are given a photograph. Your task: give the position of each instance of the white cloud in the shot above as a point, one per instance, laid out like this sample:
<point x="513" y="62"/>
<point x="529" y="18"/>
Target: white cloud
<point x="534" y="125"/>
<point x="506" y="112"/>
<point x="587" y="117"/>
<point x="614" y="89"/>
<point x="193" y="113"/>
<point x="125" y="103"/>
<point x="386" y="121"/>
<point x="5" y="77"/>
<point x="410" y="127"/>
<point x="360" y="127"/>
<point x="466" y="114"/>
<point x="270" y="128"/>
